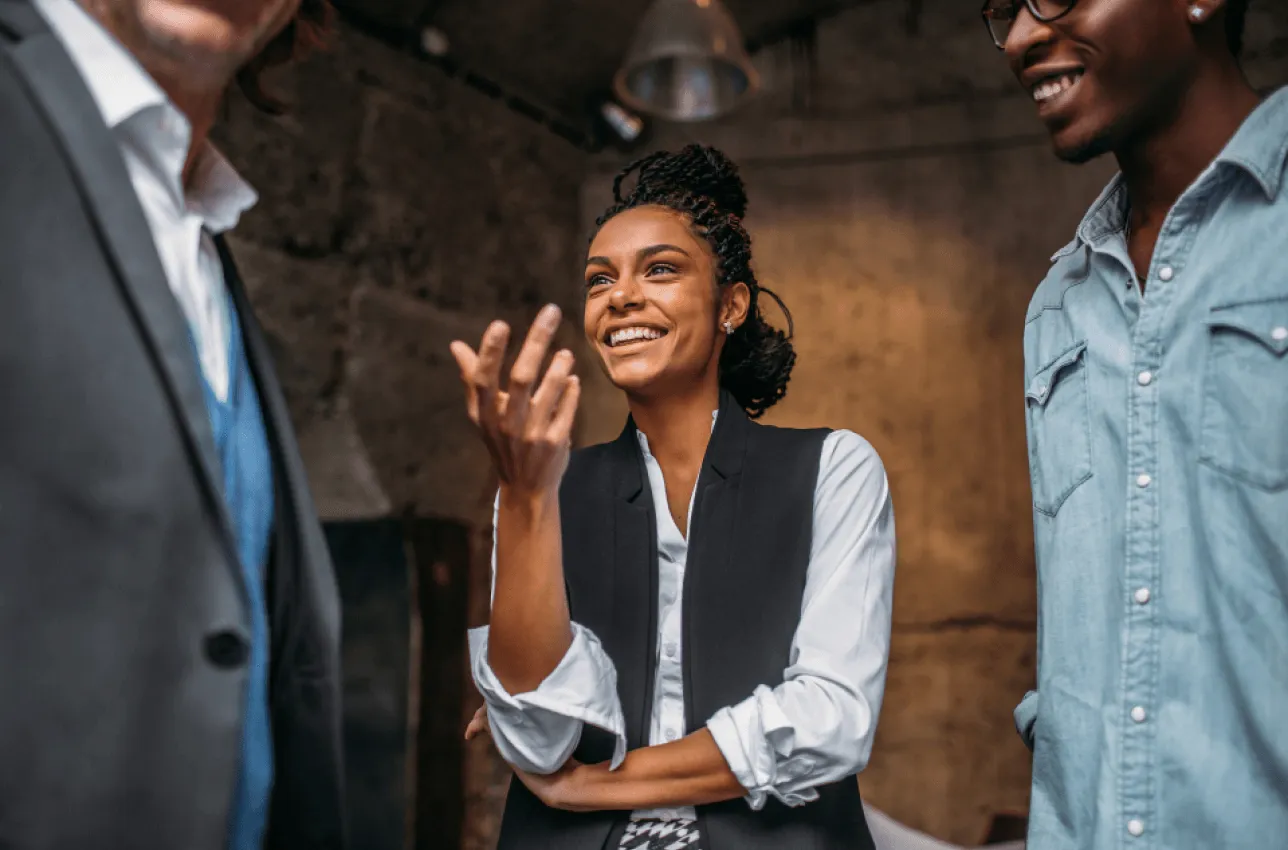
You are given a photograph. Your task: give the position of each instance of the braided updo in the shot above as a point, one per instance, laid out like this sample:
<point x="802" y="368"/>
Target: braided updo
<point x="702" y="184"/>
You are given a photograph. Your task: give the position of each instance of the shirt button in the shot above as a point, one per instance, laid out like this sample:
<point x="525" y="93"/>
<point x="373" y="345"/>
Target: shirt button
<point x="1143" y="480"/>
<point x="1136" y="828"/>
<point x="1138" y="714"/>
<point x="668" y="598"/>
<point x="1279" y="334"/>
<point x="1142" y="596"/>
<point x="670" y="650"/>
<point x="672" y="735"/>
<point x="1165" y="273"/>
<point x="1144" y="378"/>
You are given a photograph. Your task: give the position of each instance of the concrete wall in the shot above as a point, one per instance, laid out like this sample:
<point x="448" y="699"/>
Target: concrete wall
<point x="399" y="210"/>
<point x="905" y="216"/>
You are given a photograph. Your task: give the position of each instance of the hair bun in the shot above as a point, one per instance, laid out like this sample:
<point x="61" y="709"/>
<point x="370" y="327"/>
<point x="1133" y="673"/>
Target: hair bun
<point x="696" y="170"/>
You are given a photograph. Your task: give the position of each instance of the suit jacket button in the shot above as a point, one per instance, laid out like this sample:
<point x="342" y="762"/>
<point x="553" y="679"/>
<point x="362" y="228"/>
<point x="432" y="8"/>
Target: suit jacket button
<point x="226" y="650"/>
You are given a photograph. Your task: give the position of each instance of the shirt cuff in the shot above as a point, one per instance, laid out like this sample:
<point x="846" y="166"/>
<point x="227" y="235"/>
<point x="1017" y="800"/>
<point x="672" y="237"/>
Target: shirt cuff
<point x="537" y="731"/>
<point x="756" y="739"/>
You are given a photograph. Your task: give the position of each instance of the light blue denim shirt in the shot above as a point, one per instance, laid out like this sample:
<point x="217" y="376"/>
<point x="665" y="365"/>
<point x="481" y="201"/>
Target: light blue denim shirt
<point x="1158" y="450"/>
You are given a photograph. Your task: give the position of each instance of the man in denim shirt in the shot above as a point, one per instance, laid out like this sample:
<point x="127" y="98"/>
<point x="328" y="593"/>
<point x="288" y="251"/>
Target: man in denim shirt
<point x="1156" y="370"/>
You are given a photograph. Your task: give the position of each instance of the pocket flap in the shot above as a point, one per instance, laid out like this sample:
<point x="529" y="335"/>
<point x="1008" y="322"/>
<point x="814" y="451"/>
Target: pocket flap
<point x="1264" y="321"/>
<point x="1039" y="389"/>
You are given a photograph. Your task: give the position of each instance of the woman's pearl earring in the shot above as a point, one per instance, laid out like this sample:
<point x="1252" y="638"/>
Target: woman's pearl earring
<point x="728" y="328"/>
<point x="1196" y="13"/>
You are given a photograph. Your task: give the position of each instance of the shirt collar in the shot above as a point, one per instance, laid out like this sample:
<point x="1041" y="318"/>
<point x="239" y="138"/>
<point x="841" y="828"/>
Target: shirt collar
<point x="1259" y="148"/>
<point x="1107" y="215"/>
<point x="644" y="440"/>
<point x="125" y="93"/>
<point x="119" y="85"/>
<point x="217" y="192"/>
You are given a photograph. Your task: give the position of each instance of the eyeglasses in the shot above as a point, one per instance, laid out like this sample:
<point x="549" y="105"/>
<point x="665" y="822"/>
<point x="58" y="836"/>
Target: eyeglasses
<point x="1000" y="15"/>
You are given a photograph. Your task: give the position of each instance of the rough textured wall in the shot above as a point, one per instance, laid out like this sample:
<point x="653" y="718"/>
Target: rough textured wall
<point x="398" y="210"/>
<point x="905" y="215"/>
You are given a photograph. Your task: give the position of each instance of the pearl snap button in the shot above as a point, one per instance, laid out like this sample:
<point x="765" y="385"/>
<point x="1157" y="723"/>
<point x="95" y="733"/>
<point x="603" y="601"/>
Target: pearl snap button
<point x="1142" y="596"/>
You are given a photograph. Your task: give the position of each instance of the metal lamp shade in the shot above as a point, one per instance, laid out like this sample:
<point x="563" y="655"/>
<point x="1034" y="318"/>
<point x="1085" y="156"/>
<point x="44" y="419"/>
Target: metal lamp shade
<point x="687" y="63"/>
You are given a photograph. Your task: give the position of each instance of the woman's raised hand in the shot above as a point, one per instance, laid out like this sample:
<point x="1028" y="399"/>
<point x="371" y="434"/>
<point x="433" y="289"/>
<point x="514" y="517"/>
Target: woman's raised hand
<point x="527" y="426"/>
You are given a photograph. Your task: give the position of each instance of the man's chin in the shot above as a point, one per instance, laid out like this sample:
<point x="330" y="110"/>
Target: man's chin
<point x="1077" y="147"/>
<point x="204" y="44"/>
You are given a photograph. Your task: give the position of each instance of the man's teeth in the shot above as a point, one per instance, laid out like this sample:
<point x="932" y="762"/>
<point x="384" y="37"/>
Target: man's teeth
<point x="1050" y="88"/>
<point x="633" y="334"/>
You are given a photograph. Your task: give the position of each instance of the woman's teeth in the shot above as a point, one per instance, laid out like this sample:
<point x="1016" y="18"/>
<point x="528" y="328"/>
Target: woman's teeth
<point x="633" y="334"/>
<point x="1048" y="89"/>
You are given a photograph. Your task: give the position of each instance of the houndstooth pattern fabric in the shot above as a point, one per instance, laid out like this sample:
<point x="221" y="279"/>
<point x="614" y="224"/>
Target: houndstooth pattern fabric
<point x="660" y="835"/>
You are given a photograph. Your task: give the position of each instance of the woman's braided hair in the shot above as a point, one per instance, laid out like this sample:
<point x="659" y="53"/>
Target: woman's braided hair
<point x="702" y="184"/>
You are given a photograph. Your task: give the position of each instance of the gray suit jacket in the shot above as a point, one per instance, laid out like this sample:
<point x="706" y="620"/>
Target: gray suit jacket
<point x="123" y="614"/>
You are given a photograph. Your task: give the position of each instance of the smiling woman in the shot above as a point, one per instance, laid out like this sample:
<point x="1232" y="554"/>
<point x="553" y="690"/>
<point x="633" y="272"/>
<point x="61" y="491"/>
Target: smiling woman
<point x="690" y="624"/>
<point x="675" y="245"/>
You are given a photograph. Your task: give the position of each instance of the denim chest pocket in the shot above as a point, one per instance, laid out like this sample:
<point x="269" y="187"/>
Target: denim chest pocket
<point x="1245" y="393"/>
<point x="1059" y="429"/>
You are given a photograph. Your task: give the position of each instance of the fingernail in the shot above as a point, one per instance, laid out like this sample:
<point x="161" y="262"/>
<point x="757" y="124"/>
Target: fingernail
<point x="550" y="315"/>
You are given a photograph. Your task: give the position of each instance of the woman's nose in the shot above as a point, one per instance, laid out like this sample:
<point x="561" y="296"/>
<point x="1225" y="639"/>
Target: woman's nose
<point x="626" y="294"/>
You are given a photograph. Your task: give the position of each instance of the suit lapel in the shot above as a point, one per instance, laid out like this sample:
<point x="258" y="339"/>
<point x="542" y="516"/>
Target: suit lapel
<point x="104" y="184"/>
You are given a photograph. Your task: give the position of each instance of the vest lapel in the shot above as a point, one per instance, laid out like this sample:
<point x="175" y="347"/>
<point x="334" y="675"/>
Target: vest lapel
<point x="100" y="173"/>
<point x="713" y="531"/>
<point x="634" y="580"/>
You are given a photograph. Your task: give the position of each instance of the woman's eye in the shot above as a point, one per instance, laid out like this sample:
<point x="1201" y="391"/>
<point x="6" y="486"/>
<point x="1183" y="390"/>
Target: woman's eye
<point x="597" y="280"/>
<point x="661" y="268"/>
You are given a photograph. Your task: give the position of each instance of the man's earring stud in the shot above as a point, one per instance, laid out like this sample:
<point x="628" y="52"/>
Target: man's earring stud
<point x="1196" y="13"/>
<point x="728" y="328"/>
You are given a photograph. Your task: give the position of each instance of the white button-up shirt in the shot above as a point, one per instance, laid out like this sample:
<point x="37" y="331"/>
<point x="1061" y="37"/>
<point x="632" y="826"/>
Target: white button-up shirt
<point x="154" y="137"/>
<point x="814" y="728"/>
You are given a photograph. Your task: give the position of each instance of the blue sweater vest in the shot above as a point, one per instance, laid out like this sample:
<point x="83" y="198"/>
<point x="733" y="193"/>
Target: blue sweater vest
<point x="242" y="444"/>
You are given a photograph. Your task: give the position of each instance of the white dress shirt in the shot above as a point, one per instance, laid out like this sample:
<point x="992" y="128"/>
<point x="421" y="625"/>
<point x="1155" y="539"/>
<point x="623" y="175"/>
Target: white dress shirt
<point x="814" y="728"/>
<point x="154" y="137"/>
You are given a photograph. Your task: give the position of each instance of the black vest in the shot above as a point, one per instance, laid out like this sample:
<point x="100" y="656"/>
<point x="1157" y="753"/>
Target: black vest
<point x="749" y="547"/>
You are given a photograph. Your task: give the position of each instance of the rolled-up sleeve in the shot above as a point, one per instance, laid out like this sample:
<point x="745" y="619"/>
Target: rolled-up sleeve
<point x="537" y="731"/>
<point x="1026" y="716"/>
<point x="817" y="727"/>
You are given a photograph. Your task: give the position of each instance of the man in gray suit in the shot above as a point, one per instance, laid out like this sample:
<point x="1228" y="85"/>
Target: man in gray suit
<point x="169" y="623"/>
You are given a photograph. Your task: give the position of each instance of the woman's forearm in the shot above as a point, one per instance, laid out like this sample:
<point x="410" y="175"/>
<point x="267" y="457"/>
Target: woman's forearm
<point x="688" y="772"/>
<point x="530" y="630"/>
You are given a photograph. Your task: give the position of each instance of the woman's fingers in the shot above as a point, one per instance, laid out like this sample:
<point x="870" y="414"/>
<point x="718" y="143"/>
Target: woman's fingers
<point x="467" y="360"/>
<point x="546" y="399"/>
<point x="527" y="367"/>
<point x="566" y="412"/>
<point x="478" y="724"/>
<point x="522" y="422"/>
<point x="487" y="372"/>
